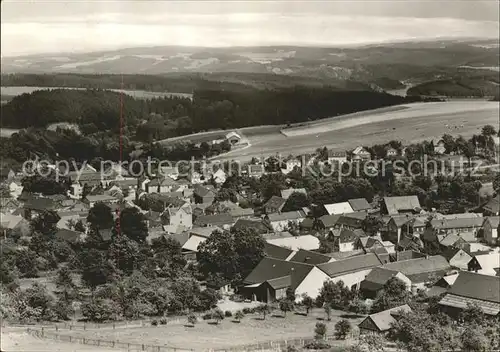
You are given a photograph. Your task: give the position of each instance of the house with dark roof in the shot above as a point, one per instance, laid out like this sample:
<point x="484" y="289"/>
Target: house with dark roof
<point x="492" y="208"/>
<point x="260" y="225"/>
<point x="223" y="220"/>
<point x="238" y="212"/>
<point x="406" y="255"/>
<point x="474" y="289"/>
<point x="328" y="222"/>
<point x="203" y="194"/>
<point x="307" y="242"/>
<point x="487" y="263"/>
<point x="352" y="221"/>
<point x="421" y="270"/>
<point x="401" y="205"/>
<point x="68" y="235"/>
<point x="359" y="204"/>
<point x="345" y="240"/>
<point x="161" y="185"/>
<point x="286" y="193"/>
<point x="377" y="278"/>
<point x="270" y="279"/>
<point x="382" y="322"/>
<point x="442" y="285"/>
<point x="36" y="205"/>
<point x="458" y="225"/>
<point x="360" y="153"/>
<point x="310" y="257"/>
<point x="256" y="171"/>
<point x="277" y="252"/>
<point x="490" y="229"/>
<point x="274" y="205"/>
<point x="457" y="257"/>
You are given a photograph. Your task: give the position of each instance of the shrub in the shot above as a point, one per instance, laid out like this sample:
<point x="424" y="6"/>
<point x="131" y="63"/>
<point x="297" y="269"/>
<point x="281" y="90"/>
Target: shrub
<point x="217" y="315"/>
<point x="154" y="322"/>
<point x="342" y="329"/>
<point x="163" y="321"/>
<point x="228" y="314"/>
<point x="320" y="331"/>
<point x="247" y="310"/>
<point x="239" y="315"/>
<point x="192" y="319"/>
<point x="317" y="345"/>
<point x="207" y="316"/>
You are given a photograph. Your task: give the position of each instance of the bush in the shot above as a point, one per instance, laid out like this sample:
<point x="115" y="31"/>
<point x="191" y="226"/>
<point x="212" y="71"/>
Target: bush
<point x="207" y="316"/>
<point x="228" y="314"/>
<point x="154" y="322"/>
<point x="317" y="345"/>
<point x="320" y="331"/>
<point x="247" y="310"/>
<point x="342" y="329"/>
<point x="163" y="321"/>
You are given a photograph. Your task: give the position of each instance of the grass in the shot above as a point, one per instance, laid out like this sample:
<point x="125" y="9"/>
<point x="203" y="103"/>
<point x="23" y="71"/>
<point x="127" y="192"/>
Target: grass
<point x="251" y="330"/>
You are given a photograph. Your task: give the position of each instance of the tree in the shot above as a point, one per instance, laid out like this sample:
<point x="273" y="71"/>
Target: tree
<point x="239" y="315"/>
<point x="488" y="130"/>
<point x="449" y="143"/>
<point x="95" y="269"/>
<point x="100" y="216"/>
<point x="217" y="315"/>
<point x="65" y="283"/>
<point x="474" y="340"/>
<point x="473" y="314"/>
<point x="286" y="306"/>
<point x="100" y="310"/>
<point x="264" y="309"/>
<point x="371" y="225"/>
<point x="320" y="331"/>
<point x="373" y="342"/>
<point x="25" y="260"/>
<point x="394" y="294"/>
<point x="296" y="201"/>
<point x="308" y="302"/>
<point x="192" y="319"/>
<point x="124" y="253"/>
<point x="335" y="294"/>
<point x="133" y="225"/>
<point x="342" y="329"/>
<point x="328" y="311"/>
<point x="45" y="223"/>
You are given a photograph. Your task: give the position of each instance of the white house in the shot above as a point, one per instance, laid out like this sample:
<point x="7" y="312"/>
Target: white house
<point x="486" y="264"/>
<point x="290" y="165"/>
<point x="233" y="138"/>
<point x="195" y="177"/>
<point x="281" y="221"/>
<point x="336" y="158"/>
<point x="161" y="185"/>
<point x="91" y="200"/>
<point x="307" y="242"/>
<point x="179" y="216"/>
<point x="169" y="171"/>
<point x="339" y="208"/>
<point x="219" y="176"/>
<point x="490" y="229"/>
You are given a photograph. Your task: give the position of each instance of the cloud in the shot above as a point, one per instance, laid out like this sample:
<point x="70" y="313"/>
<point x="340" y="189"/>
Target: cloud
<point x="108" y="30"/>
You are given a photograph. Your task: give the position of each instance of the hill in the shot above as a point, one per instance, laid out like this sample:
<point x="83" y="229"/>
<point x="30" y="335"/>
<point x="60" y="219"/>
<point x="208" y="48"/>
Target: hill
<point x="480" y="86"/>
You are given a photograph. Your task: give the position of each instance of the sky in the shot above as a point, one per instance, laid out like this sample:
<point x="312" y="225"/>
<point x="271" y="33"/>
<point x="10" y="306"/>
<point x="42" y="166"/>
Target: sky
<point x="43" y="26"/>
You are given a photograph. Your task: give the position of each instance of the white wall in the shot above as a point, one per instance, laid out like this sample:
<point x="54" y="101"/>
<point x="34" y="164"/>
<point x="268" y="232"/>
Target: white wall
<point x="311" y="284"/>
<point x="352" y="278"/>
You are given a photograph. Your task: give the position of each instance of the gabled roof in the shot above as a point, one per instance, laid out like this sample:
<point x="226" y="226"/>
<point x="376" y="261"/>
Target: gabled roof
<point x="352" y="264"/>
<point x="215" y="220"/>
<point x="257" y="224"/>
<point x="377" y="278"/>
<point x="348" y="236"/>
<point x="193" y="242"/>
<point x="9" y="221"/>
<point x="450" y="239"/>
<point x="382" y="321"/>
<point x="338" y="208"/>
<point x="488" y="261"/>
<point x="202" y="191"/>
<point x="352" y="219"/>
<point x="360" y="150"/>
<point x="308" y="242"/>
<point x="275" y="202"/>
<point x="414" y="267"/>
<point x="286" y="193"/>
<point x="270" y="268"/>
<point x="406" y="255"/>
<point x="493" y="220"/>
<point x="451" y="252"/>
<point x="477" y="286"/>
<point x="164" y="181"/>
<point x="329" y="220"/>
<point x="39" y="204"/>
<point x="289" y="215"/>
<point x="100" y="198"/>
<point x="310" y="257"/>
<point x="280" y="282"/>
<point x="237" y="211"/>
<point x="403" y="203"/>
<point x="68" y="235"/>
<point x="444" y="224"/>
<point x="359" y="204"/>
<point x="493" y="206"/>
<point x="277" y="252"/>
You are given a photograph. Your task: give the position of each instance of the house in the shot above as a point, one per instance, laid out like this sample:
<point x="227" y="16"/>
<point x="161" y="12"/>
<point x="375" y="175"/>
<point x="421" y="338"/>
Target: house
<point x="274" y="205"/>
<point x="458" y="225"/>
<point x="439" y="148"/>
<point x="37" y="205"/>
<point x="260" y="225"/>
<point x="372" y="243"/>
<point x="457" y="257"/>
<point x="401" y="205"/>
<point x="223" y="220"/>
<point x="8" y="205"/>
<point x="338" y="208"/>
<point x="270" y="279"/>
<point x="345" y="240"/>
<point x="233" y="138"/>
<point x="492" y="208"/>
<point x="327" y="222"/>
<point x="291" y="164"/>
<point x="359" y="204"/>
<point x="68" y="235"/>
<point x="278" y="252"/>
<point x="91" y="200"/>
<point x="241" y="213"/>
<point x="351" y="271"/>
<point x="203" y="194"/>
<point x="309" y="257"/>
<point x="256" y="171"/>
<point x="190" y="247"/>
<point x="161" y="185"/>
<point x="397" y="226"/>
<point x="360" y="154"/>
<point x="490" y="229"/>
<point x="286" y="193"/>
<point x="281" y="221"/>
<point x="308" y="242"/>
<point x="195" y="177"/>
<point x="382" y="322"/>
<point x="179" y="216"/>
<point x="336" y="158"/>
<point x="421" y="270"/>
<point x="351" y="221"/>
<point x="452" y="241"/>
<point x="10" y="222"/>
<point x="487" y="264"/>
<point x="474" y="289"/>
<point x="374" y="282"/>
<point x="219" y="176"/>
<point x="169" y="171"/>
<point x="442" y="285"/>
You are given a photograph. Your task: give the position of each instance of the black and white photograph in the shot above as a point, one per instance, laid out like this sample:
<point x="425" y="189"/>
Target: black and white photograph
<point x="253" y="175"/>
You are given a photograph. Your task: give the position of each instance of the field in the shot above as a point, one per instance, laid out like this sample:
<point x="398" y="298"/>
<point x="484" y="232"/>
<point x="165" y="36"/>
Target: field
<point x="409" y="123"/>
<point x="9" y="92"/>
<point x="205" y="335"/>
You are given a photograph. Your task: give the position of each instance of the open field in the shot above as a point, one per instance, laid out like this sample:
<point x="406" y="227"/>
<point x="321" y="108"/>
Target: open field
<point x="227" y="334"/>
<point x="414" y="123"/>
<point x="139" y="94"/>
<point x="15" y="339"/>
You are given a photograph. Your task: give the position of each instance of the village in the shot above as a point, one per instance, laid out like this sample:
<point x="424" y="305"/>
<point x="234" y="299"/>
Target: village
<point x="312" y="251"/>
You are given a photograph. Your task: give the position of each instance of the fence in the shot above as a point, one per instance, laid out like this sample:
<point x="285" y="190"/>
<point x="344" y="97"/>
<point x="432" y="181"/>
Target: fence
<point x="104" y="343"/>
